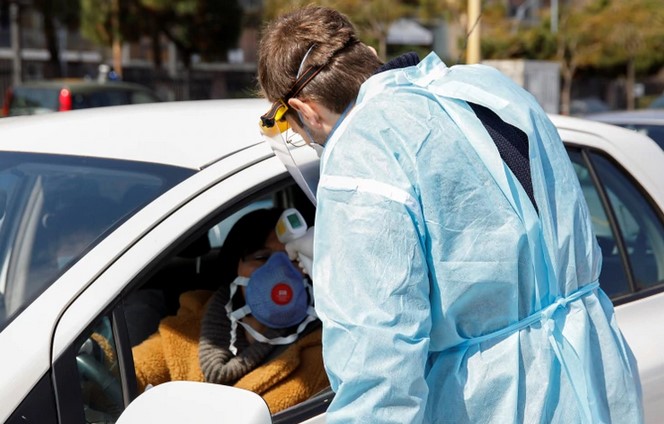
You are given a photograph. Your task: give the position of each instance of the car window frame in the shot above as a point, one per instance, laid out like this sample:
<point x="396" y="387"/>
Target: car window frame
<point x="69" y="397"/>
<point x="586" y="152"/>
<point x="64" y="366"/>
<point x="30" y="190"/>
<point x="38" y="406"/>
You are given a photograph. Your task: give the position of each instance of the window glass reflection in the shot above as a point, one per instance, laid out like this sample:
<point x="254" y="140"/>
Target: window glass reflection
<point x="612" y="277"/>
<point x="641" y="228"/>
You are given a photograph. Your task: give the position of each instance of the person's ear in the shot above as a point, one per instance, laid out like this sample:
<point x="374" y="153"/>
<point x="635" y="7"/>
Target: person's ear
<point x="309" y="112"/>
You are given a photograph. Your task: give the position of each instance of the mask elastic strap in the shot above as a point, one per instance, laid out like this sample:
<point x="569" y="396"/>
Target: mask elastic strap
<point x="236" y="316"/>
<point x="310" y="292"/>
<point x="280" y="340"/>
<point x="239" y="281"/>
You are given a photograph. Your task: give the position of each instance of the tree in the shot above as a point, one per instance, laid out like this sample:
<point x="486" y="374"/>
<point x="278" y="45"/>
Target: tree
<point x="448" y="10"/>
<point x="576" y="46"/>
<point x="111" y="23"/>
<point x="56" y="14"/>
<point x="600" y="34"/>
<point x="206" y="27"/>
<point x="372" y="19"/>
<point x="630" y="31"/>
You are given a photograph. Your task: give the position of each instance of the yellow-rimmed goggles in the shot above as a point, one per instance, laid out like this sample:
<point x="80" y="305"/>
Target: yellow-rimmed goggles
<point x="274" y="119"/>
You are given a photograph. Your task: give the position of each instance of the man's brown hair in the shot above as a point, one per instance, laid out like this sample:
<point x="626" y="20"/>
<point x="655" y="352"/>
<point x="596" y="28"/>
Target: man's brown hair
<point x="346" y="62"/>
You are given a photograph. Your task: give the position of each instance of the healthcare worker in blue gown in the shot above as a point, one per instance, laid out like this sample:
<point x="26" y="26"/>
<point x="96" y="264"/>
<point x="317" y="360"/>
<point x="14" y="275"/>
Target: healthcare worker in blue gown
<point x="455" y="267"/>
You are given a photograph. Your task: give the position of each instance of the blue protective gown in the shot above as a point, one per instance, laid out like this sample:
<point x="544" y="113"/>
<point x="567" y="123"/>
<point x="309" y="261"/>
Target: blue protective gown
<point x="444" y="296"/>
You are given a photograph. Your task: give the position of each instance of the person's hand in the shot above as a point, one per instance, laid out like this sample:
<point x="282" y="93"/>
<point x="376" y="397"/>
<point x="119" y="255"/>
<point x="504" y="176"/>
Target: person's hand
<point x="302" y="250"/>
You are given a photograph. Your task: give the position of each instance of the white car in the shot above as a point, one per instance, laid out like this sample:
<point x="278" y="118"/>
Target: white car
<point x="646" y="121"/>
<point x="144" y="196"/>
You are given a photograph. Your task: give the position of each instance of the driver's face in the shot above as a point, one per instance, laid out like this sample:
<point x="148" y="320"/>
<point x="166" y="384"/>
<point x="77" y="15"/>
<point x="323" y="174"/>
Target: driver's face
<point x="251" y="262"/>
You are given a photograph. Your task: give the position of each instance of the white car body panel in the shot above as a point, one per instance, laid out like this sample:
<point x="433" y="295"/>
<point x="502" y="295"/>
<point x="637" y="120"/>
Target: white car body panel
<point x="43" y="314"/>
<point x="157" y="133"/>
<point x="640" y="156"/>
<point x="645" y="337"/>
<point x="151" y="132"/>
<point x="28" y="358"/>
<point x="644" y="334"/>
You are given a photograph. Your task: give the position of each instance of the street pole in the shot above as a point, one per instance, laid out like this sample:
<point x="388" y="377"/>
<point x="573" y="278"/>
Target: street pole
<point x="15" y="31"/>
<point x="473" y="31"/>
<point x="554" y="16"/>
<point x="117" y="43"/>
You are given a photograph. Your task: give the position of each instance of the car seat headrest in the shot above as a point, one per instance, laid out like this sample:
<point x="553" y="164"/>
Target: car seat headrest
<point x="197" y="248"/>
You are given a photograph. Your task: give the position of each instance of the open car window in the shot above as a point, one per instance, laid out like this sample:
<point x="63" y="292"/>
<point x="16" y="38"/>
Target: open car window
<point x="106" y="382"/>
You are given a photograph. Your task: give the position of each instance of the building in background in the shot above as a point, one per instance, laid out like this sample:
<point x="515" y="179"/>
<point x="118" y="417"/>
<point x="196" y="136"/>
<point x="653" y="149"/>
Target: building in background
<point x="80" y="58"/>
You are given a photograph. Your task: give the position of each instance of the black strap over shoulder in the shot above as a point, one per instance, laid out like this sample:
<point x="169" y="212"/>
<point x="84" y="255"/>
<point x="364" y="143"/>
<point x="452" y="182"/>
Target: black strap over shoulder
<point x="512" y="143"/>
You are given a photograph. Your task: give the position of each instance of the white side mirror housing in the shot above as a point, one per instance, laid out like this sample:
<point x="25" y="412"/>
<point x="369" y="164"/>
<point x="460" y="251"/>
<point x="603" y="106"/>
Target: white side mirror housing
<point x="201" y="403"/>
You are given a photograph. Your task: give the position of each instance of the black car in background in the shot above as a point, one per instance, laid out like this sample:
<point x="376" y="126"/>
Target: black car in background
<point x="37" y="97"/>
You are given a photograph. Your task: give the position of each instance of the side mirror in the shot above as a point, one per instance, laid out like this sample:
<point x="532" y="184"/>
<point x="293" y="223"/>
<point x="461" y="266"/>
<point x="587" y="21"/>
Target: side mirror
<point x="179" y="402"/>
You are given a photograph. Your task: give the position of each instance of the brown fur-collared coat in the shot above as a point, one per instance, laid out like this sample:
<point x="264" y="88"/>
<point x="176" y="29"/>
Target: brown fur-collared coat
<point x="172" y="354"/>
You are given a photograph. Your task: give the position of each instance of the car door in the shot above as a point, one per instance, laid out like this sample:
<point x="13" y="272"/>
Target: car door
<point x="93" y="368"/>
<point x="621" y="178"/>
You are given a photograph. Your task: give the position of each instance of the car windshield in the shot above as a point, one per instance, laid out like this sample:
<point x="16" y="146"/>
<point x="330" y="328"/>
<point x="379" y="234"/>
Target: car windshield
<point x="54" y="208"/>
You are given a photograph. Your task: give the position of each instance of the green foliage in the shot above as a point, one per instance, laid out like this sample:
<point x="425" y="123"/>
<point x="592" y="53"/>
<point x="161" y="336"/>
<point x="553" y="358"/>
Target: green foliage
<point x="98" y="17"/>
<point x="600" y="33"/>
<point x="630" y="30"/>
<point x="206" y="27"/>
<point x="432" y="10"/>
<point x="372" y="19"/>
<point x="67" y="12"/>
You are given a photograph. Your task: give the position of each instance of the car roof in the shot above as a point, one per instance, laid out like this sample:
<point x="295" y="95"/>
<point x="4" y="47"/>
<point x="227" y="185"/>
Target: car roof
<point x="610" y="136"/>
<point x="637" y="152"/>
<point x="641" y="116"/>
<point x="187" y="134"/>
<point x="190" y="134"/>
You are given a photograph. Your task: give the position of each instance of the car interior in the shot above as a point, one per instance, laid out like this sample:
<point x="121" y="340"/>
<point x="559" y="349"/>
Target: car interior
<point x="192" y="264"/>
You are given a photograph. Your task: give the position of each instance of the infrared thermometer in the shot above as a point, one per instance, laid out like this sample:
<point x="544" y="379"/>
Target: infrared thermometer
<point x="292" y="231"/>
<point x="290" y="226"/>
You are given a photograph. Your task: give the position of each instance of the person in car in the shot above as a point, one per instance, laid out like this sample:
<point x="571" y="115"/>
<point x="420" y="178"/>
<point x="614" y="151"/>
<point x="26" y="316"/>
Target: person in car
<point x="206" y="341"/>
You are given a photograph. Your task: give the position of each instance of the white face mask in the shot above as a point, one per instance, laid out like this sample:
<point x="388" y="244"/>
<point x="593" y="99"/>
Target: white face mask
<point x="277" y="296"/>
